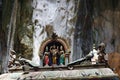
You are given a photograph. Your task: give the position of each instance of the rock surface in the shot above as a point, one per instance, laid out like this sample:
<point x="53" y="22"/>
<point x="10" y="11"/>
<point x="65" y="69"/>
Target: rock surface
<point x="80" y="22"/>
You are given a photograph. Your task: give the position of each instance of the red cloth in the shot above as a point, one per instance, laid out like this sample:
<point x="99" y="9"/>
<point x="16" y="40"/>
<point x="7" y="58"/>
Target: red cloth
<point x="46" y="60"/>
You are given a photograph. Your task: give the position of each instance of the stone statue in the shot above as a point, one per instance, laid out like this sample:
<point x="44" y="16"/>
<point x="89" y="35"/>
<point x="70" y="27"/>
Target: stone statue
<point x="94" y="55"/>
<point x="101" y="54"/>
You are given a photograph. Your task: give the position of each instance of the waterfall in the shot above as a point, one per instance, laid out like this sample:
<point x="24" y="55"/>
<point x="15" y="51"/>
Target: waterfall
<point x="59" y="15"/>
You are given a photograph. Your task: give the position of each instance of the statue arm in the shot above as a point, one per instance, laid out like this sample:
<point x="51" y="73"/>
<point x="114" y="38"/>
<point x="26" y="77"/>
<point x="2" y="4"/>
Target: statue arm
<point x="51" y="49"/>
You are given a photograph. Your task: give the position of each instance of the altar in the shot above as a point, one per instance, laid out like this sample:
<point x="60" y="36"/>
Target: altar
<point x="78" y="72"/>
<point x="54" y="51"/>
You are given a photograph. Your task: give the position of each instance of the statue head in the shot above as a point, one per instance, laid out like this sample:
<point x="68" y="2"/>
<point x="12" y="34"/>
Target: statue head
<point x="46" y="48"/>
<point x="101" y="46"/>
<point x="46" y="53"/>
<point x="61" y="47"/>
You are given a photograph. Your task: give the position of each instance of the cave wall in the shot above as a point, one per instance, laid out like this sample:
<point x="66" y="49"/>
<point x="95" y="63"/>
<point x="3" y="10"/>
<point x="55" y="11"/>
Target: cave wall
<point x="92" y="22"/>
<point x="0" y="24"/>
<point x="24" y="31"/>
<point x="106" y="24"/>
<point x="6" y="12"/>
<point x="103" y="26"/>
<point x="83" y="38"/>
<point x="81" y="22"/>
<point x="52" y="16"/>
<point x="0" y="36"/>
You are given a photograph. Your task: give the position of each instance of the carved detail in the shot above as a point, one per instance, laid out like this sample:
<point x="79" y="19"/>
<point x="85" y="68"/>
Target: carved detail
<point x="54" y="37"/>
<point x="58" y="50"/>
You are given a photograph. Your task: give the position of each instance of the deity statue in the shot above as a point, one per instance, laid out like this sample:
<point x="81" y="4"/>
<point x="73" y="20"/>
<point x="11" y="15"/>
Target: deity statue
<point x="54" y="52"/>
<point x="62" y="56"/>
<point x="93" y="55"/>
<point x="102" y="54"/>
<point x="46" y="58"/>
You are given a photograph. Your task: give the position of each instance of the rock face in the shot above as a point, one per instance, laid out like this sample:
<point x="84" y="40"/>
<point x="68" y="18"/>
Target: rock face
<point x="24" y="31"/>
<point x="80" y="22"/>
<point x="103" y="25"/>
<point x="0" y="40"/>
<point x="52" y="16"/>
<point x="0" y="23"/>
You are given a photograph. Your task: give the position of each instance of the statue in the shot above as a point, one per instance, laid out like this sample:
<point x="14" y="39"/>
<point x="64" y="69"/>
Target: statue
<point x="46" y="58"/>
<point x="94" y="55"/>
<point x="54" y="52"/>
<point x="101" y="54"/>
<point x="62" y="56"/>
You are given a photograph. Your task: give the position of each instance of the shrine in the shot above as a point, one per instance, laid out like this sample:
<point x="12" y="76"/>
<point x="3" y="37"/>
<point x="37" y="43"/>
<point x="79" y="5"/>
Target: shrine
<point x="54" y="51"/>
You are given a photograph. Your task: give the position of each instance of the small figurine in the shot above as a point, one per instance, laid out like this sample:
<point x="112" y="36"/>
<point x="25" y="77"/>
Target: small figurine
<point x="62" y="56"/>
<point x="54" y="52"/>
<point x="46" y="58"/>
<point x="94" y="55"/>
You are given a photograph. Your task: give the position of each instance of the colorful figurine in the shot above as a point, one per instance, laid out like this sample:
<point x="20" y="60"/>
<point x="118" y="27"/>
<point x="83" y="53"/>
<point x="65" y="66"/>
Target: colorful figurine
<point x="46" y="58"/>
<point x="62" y="56"/>
<point x="54" y="52"/>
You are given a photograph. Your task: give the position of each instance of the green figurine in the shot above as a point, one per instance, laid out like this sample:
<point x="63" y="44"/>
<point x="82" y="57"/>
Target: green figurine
<point x="62" y="56"/>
